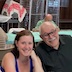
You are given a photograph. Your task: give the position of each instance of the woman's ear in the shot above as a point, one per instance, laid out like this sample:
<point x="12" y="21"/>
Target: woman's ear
<point x="16" y="42"/>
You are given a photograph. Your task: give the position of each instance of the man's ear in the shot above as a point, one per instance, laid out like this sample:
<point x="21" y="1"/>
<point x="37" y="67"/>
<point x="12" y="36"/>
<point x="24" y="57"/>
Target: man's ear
<point x="41" y="36"/>
<point x="58" y="29"/>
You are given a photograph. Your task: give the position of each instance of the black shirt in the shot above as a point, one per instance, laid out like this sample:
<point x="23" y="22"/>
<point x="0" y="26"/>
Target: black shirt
<point x="56" y="60"/>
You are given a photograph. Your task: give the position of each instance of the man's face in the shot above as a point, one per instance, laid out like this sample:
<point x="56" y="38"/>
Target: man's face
<point x="50" y="36"/>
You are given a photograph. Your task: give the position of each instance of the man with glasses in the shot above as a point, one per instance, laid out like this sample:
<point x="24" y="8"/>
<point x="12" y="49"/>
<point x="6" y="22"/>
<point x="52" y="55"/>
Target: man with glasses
<point x="55" y="51"/>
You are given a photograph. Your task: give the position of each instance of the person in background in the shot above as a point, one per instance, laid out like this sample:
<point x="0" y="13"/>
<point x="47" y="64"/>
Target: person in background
<point x="48" y="17"/>
<point x="22" y="58"/>
<point x="55" y="51"/>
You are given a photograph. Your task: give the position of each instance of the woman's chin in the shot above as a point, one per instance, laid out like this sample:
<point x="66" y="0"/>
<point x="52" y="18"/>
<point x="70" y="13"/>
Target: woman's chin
<point x="28" y="54"/>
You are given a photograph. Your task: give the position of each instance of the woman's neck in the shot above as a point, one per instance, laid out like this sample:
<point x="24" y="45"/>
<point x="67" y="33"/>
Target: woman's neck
<point x="24" y="64"/>
<point x="23" y="60"/>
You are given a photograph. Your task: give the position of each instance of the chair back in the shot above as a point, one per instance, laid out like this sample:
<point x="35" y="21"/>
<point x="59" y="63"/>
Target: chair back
<point x="15" y="30"/>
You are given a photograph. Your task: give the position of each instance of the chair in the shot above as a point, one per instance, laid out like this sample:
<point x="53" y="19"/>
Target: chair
<point x="4" y="48"/>
<point x="15" y="30"/>
<point x="2" y="34"/>
<point x="12" y="9"/>
<point x="3" y="51"/>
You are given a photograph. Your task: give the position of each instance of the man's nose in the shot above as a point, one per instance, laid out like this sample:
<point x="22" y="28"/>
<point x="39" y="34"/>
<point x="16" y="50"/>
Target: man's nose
<point x="50" y="36"/>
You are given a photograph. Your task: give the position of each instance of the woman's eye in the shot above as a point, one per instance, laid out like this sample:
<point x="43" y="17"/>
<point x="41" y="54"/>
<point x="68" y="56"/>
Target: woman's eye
<point x="23" y="42"/>
<point x="28" y="43"/>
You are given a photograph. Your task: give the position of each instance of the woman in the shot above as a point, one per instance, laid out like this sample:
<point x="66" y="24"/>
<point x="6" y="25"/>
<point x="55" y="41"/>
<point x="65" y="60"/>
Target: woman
<point x="22" y="58"/>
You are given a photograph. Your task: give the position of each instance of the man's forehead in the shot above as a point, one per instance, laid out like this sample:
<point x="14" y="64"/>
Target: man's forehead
<point x="47" y="27"/>
<point x="47" y="24"/>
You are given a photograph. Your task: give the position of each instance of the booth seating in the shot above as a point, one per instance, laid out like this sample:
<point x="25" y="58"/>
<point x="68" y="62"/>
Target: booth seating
<point x="12" y="30"/>
<point x="37" y="38"/>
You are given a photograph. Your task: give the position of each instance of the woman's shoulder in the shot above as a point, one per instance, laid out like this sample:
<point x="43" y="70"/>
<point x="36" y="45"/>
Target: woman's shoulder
<point x="8" y="57"/>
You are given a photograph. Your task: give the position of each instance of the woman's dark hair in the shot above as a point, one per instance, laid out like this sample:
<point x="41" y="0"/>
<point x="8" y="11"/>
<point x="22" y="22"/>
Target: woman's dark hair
<point x="20" y="34"/>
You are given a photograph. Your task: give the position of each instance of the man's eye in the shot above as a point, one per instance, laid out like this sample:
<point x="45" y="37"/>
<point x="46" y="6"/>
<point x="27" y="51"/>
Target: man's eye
<point x="30" y="43"/>
<point x="45" y="35"/>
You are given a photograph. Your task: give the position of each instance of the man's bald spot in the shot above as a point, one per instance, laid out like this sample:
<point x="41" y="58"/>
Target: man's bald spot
<point x="45" y="25"/>
<point x="48" y="17"/>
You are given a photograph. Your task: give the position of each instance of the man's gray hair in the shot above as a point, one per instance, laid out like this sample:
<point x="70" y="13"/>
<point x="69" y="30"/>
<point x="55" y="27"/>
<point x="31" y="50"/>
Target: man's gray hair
<point x="51" y="23"/>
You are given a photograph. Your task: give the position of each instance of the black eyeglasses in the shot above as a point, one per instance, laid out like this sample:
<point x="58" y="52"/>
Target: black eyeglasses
<point x="51" y="33"/>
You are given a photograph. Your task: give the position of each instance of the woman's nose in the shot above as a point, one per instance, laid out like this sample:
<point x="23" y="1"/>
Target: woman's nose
<point x="26" y="45"/>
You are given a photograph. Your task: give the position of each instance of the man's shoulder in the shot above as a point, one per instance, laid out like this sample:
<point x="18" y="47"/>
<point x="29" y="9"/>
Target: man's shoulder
<point x="40" y="49"/>
<point x="65" y="38"/>
<point x="40" y="45"/>
<point x="40" y="21"/>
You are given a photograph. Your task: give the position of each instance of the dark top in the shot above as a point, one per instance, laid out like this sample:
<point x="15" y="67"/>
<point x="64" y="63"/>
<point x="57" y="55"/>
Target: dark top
<point x="56" y="60"/>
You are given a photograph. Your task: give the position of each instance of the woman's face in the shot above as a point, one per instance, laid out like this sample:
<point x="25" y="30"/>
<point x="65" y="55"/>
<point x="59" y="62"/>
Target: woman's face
<point x="25" y="45"/>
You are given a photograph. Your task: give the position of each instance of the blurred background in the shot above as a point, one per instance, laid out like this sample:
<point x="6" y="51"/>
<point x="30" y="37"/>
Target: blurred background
<point x="36" y="10"/>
